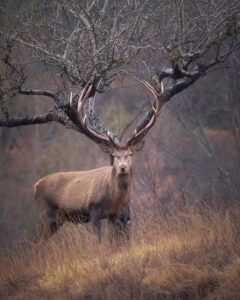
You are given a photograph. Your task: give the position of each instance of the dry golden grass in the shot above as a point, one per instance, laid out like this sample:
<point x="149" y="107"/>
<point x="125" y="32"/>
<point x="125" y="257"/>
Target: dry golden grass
<point x="189" y="256"/>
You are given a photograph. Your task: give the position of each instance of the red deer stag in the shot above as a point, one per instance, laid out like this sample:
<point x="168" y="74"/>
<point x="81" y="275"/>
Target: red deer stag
<point x="96" y="194"/>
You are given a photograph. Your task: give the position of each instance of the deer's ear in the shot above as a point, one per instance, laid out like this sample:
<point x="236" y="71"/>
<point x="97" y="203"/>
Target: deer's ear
<point x="137" y="147"/>
<point x="106" y="148"/>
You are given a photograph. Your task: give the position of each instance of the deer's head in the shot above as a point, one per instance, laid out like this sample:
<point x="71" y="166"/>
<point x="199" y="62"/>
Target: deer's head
<point x="122" y="153"/>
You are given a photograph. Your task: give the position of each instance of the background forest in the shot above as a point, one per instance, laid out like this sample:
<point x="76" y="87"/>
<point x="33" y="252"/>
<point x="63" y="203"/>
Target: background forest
<point x="185" y="200"/>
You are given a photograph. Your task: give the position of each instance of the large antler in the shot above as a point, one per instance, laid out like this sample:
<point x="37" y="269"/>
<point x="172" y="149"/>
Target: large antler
<point x="139" y="135"/>
<point x="100" y="138"/>
<point x="82" y="118"/>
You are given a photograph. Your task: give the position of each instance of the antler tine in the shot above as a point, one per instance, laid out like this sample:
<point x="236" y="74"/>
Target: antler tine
<point x="142" y="132"/>
<point x="150" y="88"/>
<point x="83" y="97"/>
<point x="82" y="118"/>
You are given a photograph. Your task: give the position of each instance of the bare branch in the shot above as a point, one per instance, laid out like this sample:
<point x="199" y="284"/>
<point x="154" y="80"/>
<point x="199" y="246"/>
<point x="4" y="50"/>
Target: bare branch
<point x="22" y="121"/>
<point x="61" y="115"/>
<point x="39" y="93"/>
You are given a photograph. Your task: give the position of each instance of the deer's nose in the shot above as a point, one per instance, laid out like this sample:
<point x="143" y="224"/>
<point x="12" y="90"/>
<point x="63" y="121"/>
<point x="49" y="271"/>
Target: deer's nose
<point x="123" y="168"/>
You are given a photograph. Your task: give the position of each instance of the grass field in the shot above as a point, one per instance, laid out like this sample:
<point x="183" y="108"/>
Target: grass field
<point x="192" y="255"/>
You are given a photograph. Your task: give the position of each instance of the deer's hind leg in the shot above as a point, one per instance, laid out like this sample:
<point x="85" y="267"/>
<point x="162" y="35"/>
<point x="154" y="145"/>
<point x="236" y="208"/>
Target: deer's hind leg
<point x="51" y="221"/>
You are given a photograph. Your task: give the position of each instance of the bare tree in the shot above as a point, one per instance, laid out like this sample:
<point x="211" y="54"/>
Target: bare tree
<point x="82" y="41"/>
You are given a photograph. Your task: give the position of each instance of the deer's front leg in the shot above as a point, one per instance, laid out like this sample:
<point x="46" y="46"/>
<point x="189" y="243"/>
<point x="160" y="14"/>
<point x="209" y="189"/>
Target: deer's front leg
<point x="120" y="225"/>
<point x="95" y="218"/>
